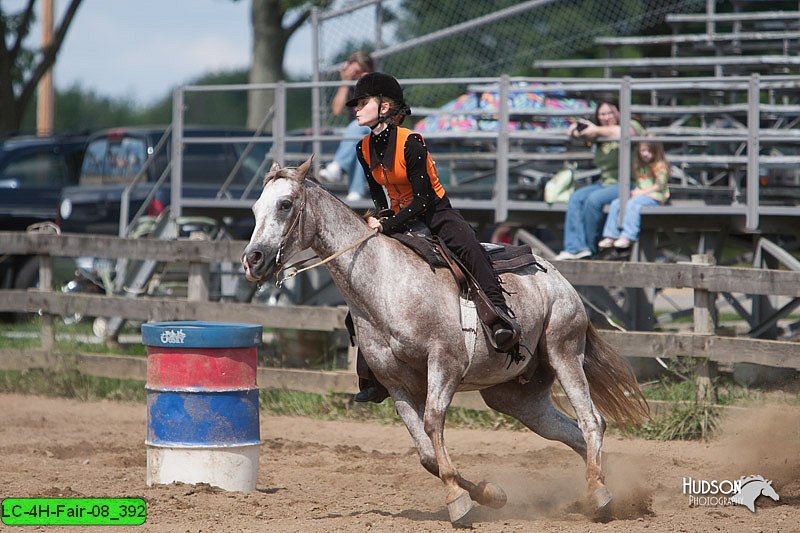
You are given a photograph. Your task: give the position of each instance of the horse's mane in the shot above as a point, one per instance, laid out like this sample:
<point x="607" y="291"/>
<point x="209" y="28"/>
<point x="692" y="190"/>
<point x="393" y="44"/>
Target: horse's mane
<point x="748" y="479"/>
<point x="285" y="172"/>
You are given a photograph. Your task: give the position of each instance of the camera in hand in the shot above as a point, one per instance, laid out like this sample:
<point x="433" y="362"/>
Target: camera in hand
<point x="580" y="126"/>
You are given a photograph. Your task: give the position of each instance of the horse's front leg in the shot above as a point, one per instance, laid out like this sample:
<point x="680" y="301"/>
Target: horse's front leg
<point x="444" y="374"/>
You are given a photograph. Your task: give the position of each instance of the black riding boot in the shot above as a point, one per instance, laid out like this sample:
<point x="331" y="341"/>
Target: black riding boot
<point x="370" y="388"/>
<point x="506" y="330"/>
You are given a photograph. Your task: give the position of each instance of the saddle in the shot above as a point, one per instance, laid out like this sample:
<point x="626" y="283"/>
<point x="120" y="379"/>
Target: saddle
<point x="503" y="258"/>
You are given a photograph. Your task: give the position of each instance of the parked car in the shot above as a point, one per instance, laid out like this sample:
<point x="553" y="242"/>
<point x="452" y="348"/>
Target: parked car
<point x="33" y="171"/>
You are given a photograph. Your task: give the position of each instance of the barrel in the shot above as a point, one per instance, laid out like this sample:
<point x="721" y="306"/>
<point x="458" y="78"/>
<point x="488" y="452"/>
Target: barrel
<point x="202" y="403"/>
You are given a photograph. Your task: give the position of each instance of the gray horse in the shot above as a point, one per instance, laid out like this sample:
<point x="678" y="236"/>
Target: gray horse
<point x="408" y="324"/>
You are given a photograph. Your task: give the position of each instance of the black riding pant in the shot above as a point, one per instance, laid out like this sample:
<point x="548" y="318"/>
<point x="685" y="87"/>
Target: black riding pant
<point x="460" y="238"/>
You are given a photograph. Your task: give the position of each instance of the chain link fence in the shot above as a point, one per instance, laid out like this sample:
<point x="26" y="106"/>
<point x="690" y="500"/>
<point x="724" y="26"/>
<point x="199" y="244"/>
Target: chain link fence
<point x="478" y="38"/>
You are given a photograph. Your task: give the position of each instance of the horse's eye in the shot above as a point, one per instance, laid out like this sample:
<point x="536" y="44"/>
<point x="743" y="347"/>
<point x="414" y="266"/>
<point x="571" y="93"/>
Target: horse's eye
<point x="285" y="204"/>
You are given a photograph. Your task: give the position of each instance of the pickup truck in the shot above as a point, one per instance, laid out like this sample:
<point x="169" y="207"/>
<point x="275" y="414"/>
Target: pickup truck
<point x="114" y="157"/>
<point x="33" y="171"/>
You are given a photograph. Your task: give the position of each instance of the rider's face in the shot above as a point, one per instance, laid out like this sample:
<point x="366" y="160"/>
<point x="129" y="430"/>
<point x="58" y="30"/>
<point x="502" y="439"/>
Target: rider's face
<point x="367" y="111"/>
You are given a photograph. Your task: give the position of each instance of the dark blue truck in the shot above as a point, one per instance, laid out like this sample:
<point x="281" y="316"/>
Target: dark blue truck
<point x="33" y="172"/>
<point x="115" y="157"/>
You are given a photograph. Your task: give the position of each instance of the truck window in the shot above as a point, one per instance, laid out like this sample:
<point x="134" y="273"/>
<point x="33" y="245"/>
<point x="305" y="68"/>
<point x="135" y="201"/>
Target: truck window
<point x="35" y="170"/>
<point x="93" y="160"/>
<point x="113" y="160"/>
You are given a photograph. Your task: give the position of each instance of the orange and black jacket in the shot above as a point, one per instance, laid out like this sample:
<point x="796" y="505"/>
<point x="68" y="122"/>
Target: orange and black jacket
<point x="398" y="160"/>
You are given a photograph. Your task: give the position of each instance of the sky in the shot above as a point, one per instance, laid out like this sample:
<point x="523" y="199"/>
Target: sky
<point x="141" y="49"/>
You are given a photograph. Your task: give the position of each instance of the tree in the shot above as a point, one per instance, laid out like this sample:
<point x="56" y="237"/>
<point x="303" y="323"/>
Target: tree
<point x="21" y="69"/>
<point x="274" y="22"/>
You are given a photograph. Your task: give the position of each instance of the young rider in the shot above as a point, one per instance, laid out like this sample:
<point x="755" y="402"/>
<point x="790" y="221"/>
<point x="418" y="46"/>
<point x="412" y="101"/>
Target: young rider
<point x="396" y="158"/>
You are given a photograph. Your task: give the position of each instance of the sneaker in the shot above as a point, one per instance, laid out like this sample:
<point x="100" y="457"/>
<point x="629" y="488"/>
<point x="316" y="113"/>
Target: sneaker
<point x="567" y="256"/>
<point x="622" y="242"/>
<point x="332" y="172"/>
<point x="353" y="196"/>
<point x="606" y="243"/>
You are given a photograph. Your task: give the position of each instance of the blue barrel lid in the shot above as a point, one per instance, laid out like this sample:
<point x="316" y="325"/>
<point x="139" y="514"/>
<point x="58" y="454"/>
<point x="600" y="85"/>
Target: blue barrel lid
<point x="194" y="334"/>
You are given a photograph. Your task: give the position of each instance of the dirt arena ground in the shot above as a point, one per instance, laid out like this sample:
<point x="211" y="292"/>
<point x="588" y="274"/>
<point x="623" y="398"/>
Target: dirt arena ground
<point x="341" y="476"/>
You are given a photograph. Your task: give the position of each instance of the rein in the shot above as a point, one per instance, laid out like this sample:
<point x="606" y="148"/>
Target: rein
<point x="320" y="263"/>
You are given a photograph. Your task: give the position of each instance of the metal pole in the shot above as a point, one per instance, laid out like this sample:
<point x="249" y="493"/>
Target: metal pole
<point x="279" y="124"/>
<point x="624" y="146"/>
<point x="316" y="128"/>
<point x="753" y="149"/>
<point x="710" y="24"/>
<point x="177" y="154"/>
<point x="501" y="185"/>
<point x="378" y="27"/>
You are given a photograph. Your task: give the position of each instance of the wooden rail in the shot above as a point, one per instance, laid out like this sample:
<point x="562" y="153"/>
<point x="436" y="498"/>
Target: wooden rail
<point x="704" y="279"/>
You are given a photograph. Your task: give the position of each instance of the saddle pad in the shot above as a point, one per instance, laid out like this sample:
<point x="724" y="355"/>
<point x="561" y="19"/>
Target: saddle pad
<point x="469" y="325"/>
<point x="504" y="258"/>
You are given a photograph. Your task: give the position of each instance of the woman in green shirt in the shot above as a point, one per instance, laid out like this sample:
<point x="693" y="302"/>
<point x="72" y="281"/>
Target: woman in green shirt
<point x="585" y="217"/>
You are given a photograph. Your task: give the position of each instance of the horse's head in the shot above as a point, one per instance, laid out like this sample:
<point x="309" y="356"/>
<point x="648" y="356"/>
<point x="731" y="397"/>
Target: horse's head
<point x="279" y="212"/>
<point x="768" y="491"/>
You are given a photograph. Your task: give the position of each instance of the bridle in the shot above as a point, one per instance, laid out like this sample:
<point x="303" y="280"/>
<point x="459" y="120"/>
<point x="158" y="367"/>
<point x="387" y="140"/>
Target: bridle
<point x="297" y="220"/>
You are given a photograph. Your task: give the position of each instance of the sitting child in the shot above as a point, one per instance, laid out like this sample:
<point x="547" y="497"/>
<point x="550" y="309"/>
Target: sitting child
<point x="652" y="177"/>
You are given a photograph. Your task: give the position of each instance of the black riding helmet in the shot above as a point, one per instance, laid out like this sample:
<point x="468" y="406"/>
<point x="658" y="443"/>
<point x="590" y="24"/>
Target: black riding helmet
<point x="380" y="85"/>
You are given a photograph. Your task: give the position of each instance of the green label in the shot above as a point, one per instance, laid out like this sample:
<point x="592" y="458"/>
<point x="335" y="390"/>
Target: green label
<point x="73" y="511"/>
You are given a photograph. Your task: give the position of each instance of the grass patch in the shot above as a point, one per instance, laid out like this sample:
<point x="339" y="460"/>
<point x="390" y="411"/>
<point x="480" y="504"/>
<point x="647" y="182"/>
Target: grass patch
<point x="687" y="421"/>
<point x="71" y="384"/>
<point x="342" y="407"/>
<point x="667" y="389"/>
<point x="69" y="338"/>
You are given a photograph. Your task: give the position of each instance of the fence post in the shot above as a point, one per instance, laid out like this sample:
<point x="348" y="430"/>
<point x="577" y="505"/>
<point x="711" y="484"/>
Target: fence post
<point x="704" y="324"/>
<point x="198" y="274"/>
<point x="46" y="285"/>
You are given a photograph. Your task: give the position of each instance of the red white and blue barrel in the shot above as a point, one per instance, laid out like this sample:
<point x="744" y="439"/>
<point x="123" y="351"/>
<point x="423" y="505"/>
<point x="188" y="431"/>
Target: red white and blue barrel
<point x="202" y="403"/>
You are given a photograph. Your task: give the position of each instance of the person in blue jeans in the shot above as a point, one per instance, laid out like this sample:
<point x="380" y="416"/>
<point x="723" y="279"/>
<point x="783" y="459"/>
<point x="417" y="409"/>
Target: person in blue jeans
<point x="344" y="160"/>
<point x="585" y="218"/>
<point x="652" y="188"/>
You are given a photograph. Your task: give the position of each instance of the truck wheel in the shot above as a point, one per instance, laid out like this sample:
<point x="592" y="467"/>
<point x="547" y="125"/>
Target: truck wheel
<point x="27" y="278"/>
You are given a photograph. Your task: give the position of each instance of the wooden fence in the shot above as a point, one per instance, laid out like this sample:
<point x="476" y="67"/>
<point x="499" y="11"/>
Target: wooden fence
<point x="701" y="344"/>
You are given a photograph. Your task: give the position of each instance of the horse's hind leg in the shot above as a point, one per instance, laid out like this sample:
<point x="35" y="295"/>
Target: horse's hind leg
<point x="532" y="405"/>
<point x="567" y="362"/>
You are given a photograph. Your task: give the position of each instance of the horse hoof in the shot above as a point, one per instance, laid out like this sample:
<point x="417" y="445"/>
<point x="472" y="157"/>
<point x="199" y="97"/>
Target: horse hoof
<point x="459" y="507"/>
<point x="601" y="498"/>
<point x="490" y="495"/>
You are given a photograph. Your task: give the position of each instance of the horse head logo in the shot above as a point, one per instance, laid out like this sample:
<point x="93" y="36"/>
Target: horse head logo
<point x="751" y="488"/>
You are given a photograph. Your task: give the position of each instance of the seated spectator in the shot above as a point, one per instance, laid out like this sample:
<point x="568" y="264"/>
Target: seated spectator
<point x="652" y="178"/>
<point x="585" y="217"/>
<point x="344" y="160"/>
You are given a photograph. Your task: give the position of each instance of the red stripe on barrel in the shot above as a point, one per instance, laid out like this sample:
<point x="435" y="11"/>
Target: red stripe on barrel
<point x="201" y="368"/>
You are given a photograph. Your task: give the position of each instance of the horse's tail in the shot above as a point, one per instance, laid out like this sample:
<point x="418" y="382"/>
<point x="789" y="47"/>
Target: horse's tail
<point x="612" y="383"/>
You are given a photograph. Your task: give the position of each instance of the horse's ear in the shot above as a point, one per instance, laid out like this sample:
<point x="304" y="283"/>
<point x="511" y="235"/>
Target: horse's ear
<point x="275" y="166"/>
<point x="302" y="171"/>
